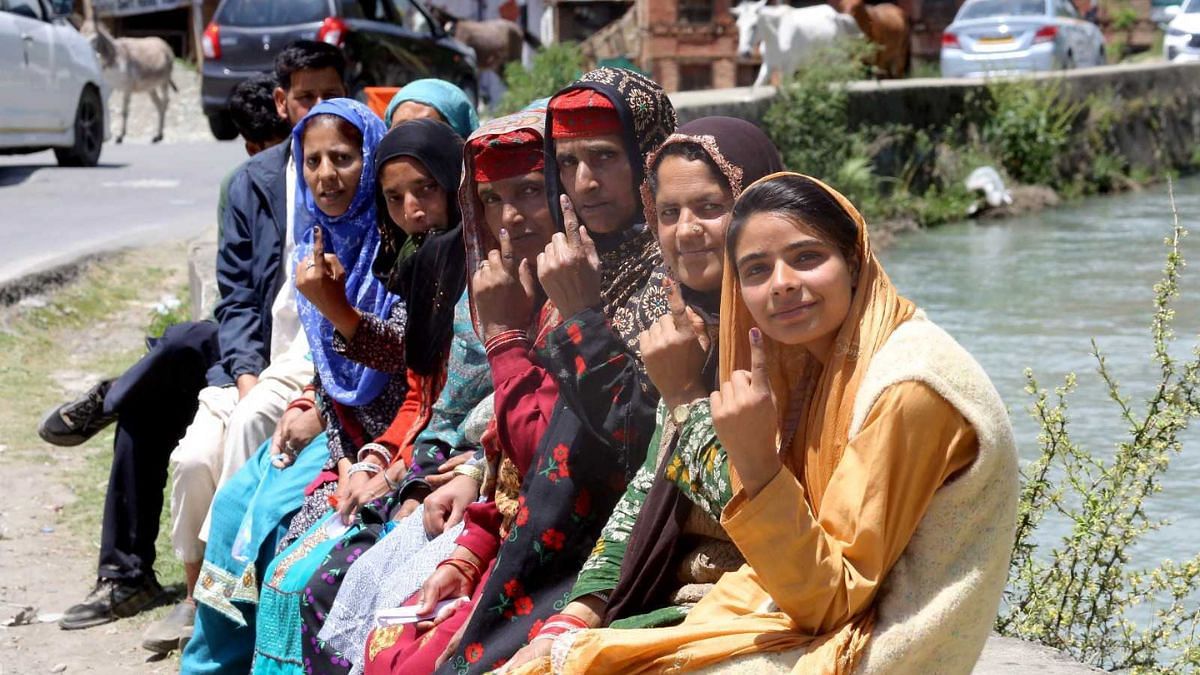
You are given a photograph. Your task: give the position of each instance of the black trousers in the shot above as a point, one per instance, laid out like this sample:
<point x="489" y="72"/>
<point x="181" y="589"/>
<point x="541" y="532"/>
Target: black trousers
<point x="155" y="401"/>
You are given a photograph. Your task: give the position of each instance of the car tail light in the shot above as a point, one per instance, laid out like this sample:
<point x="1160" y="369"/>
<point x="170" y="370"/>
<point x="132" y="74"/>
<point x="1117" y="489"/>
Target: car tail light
<point x="333" y="31"/>
<point x="1045" y="34"/>
<point x="210" y="42"/>
<point x="950" y="41"/>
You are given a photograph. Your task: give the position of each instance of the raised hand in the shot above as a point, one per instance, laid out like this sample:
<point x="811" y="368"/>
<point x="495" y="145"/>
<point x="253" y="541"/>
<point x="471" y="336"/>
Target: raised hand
<point x="747" y="421"/>
<point x="446" y="506"/>
<point x="569" y="268"/>
<point x="503" y="290"/>
<point x="321" y="278"/>
<point x="674" y="349"/>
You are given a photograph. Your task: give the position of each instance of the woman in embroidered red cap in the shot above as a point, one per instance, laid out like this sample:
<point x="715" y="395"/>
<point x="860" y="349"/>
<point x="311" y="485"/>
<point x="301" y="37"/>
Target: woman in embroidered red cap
<point x="507" y="222"/>
<point x="604" y="274"/>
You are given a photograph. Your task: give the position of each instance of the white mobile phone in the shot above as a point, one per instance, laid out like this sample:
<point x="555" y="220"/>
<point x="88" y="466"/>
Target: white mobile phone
<point x="398" y="616"/>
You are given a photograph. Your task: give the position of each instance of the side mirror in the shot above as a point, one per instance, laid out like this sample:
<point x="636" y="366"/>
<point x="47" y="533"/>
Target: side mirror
<point x="1171" y="12"/>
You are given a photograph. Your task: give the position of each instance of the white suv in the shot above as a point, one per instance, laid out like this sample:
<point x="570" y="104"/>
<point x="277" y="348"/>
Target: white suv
<point x="52" y="94"/>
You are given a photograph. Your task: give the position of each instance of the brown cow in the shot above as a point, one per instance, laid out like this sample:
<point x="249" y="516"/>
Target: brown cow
<point x="887" y="26"/>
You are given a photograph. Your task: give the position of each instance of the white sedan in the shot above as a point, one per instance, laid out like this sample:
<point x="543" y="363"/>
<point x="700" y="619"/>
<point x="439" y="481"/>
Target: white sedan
<point x="52" y="94"/>
<point x="1002" y="37"/>
<point x="1182" y="39"/>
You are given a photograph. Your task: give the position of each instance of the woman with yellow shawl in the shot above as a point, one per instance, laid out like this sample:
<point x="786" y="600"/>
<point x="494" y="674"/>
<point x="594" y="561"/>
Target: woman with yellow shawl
<point x="873" y="463"/>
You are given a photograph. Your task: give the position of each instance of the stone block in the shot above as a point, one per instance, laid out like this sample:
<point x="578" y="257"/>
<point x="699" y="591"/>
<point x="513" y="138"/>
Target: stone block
<point x="202" y="278"/>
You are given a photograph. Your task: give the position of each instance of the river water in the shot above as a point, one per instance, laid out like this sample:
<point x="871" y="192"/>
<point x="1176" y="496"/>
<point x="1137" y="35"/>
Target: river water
<point x="1032" y="292"/>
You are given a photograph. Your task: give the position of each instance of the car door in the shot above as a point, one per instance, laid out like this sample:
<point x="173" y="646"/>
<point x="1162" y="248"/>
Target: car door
<point x="13" y="80"/>
<point x="36" y="34"/>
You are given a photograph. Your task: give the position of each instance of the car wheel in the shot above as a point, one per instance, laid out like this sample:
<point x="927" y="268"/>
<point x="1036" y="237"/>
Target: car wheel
<point x="222" y="127"/>
<point x="1069" y="62"/>
<point x="89" y="132"/>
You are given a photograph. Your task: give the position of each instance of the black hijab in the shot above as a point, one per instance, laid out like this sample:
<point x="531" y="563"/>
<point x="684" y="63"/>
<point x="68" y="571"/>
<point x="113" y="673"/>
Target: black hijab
<point x="428" y="271"/>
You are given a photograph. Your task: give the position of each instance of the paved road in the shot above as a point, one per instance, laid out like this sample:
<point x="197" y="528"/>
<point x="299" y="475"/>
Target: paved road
<point x="140" y="194"/>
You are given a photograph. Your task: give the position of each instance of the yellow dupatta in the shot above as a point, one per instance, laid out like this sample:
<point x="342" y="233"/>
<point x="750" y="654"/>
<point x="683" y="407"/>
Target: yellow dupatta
<point x="822" y="432"/>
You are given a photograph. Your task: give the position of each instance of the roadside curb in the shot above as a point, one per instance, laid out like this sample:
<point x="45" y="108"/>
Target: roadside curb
<point x="35" y="283"/>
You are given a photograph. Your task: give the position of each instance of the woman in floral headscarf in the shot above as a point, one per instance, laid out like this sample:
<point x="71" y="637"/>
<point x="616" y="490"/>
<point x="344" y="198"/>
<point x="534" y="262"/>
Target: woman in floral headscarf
<point x="604" y="274"/>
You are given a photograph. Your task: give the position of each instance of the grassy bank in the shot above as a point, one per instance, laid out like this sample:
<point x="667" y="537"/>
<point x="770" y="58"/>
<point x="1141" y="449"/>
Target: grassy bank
<point x="55" y="346"/>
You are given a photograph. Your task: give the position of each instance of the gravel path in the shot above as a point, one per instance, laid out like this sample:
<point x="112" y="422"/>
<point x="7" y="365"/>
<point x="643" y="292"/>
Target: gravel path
<point x="185" y="120"/>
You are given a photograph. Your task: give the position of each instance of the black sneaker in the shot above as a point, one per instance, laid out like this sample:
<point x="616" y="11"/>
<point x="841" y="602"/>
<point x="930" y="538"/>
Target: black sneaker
<point x="74" y="422"/>
<point x="111" y="600"/>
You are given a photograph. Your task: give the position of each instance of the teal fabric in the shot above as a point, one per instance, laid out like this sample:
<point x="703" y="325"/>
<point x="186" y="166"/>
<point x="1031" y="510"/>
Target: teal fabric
<point x="277" y="647"/>
<point x="249" y="515"/>
<point x="447" y="99"/>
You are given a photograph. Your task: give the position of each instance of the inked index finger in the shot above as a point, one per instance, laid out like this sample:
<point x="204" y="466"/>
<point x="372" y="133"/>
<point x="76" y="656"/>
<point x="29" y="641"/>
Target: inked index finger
<point x="506" y="251"/>
<point x="570" y="221"/>
<point x="318" y="249"/>
<point x="759" y="378"/>
<point x="677" y="306"/>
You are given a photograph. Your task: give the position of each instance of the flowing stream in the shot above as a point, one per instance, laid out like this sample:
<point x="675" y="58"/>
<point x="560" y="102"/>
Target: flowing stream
<point x="1033" y="292"/>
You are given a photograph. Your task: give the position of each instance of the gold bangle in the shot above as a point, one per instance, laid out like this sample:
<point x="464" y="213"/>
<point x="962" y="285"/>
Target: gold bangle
<point x="470" y="471"/>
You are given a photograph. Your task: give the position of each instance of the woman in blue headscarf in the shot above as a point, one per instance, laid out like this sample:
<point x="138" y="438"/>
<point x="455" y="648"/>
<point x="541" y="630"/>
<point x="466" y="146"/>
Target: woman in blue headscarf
<point x="435" y="99"/>
<point x="267" y="504"/>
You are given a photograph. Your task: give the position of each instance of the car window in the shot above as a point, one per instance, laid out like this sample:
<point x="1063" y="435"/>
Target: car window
<point x="410" y="16"/>
<point x="252" y="13"/>
<point x="1066" y="8"/>
<point x="1192" y="7"/>
<point x="376" y="10"/>
<point x="982" y="9"/>
<point x="26" y="8"/>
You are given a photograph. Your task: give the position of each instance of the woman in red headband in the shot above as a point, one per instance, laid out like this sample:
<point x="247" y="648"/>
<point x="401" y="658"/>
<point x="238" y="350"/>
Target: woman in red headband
<point x="604" y="274"/>
<point x="507" y="222"/>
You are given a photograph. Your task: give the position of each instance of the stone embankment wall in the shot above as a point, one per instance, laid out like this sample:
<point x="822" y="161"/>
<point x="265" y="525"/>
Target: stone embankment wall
<point x="1156" y="106"/>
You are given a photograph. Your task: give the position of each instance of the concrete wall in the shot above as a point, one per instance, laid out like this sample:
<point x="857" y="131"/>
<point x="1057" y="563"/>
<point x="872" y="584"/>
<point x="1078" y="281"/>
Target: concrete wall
<point x="1158" y="123"/>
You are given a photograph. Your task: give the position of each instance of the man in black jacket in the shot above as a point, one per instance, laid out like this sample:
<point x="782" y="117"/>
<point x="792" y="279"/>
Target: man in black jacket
<point x="155" y="400"/>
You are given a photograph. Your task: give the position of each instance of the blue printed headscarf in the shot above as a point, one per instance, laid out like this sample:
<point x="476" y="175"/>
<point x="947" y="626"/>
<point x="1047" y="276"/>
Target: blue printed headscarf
<point x="450" y="102"/>
<point x="354" y="238"/>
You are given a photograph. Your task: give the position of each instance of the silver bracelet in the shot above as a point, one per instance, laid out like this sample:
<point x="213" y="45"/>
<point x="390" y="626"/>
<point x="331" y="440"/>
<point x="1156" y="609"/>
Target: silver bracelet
<point x="368" y="467"/>
<point x="374" y="449"/>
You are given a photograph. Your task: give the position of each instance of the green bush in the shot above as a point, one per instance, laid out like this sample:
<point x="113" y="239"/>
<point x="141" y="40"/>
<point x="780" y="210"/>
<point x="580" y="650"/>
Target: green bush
<point x="1028" y="127"/>
<point x="553" y="68"/>
<point x="1081" y="595"/>
<point x="809" y="120"/>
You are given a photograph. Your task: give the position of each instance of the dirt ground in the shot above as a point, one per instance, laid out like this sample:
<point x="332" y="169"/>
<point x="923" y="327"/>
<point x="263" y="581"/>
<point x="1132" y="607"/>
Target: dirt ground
<point x="52" y="347"/>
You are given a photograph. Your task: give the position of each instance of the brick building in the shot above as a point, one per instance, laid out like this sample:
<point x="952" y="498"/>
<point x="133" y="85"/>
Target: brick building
<point x="682" y="44"/>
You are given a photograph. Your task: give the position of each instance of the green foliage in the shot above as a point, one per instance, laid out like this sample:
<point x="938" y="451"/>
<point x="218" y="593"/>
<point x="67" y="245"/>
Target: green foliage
<point x="165" y="313"/>
<point x="1029" y="126"/>
<point x="810" y="121"/>
<point x="1081" y="594"/>
<point x="553" y="68"/>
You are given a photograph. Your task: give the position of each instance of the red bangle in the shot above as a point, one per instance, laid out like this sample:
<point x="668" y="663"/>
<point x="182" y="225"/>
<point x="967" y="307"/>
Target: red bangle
<point x="570" y="619"/>
<point x="471" y="571"/>
<point x="302" y="404"/>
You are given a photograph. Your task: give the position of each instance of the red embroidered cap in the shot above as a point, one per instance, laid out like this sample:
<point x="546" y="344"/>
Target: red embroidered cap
<point x="506" y="155"/>
<point x="583" y="113"/>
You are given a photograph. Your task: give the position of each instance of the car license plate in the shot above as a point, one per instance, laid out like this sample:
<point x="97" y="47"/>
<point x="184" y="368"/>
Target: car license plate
<point x="997" y="40"/>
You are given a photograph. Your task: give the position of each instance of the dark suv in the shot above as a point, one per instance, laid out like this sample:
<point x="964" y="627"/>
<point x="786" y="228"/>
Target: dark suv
<point x="386" y="42"/>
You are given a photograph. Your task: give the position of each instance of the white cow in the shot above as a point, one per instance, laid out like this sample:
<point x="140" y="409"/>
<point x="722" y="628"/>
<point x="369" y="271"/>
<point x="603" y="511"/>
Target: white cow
<point x="789" y="35"/>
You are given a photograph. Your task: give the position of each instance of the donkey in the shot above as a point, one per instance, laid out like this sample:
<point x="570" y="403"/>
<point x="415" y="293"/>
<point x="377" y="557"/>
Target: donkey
<point x="789" y="35"/>
<point x="135" y="65"/>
